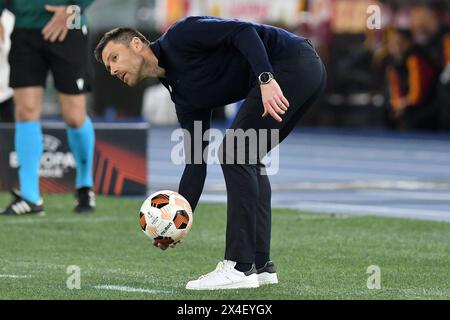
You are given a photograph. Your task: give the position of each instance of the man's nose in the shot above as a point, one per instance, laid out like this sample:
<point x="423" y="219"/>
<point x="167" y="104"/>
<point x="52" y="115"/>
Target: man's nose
<point x="113" y="71"/>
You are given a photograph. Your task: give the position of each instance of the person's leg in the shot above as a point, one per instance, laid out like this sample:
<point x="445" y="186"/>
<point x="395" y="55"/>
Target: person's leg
<point x="244" y="214"/>
<point x="246" y="202"/>
<point x="242" y="204"/>
<point x="248" y="196"/>
<point x="307" y="104"/>
<point x="263" y="218"/>
<point x="69" y="64"/>
<point x="80" y="135"/>
<point x="265" y="267"/>
<point x="27" y="78"/>
<point x="28" y="139"/>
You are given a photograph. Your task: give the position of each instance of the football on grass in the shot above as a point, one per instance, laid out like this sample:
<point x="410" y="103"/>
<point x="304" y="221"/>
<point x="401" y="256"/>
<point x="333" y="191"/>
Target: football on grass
<point x="166" y="217"/>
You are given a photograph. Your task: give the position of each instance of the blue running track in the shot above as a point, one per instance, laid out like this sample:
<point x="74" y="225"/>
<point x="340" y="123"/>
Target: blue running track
<point x="341" y="172"/>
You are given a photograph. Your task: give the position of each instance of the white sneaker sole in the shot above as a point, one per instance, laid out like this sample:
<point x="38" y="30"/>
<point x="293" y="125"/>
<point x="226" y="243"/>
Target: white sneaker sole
<point x="267" y="278"/>
<point x="236" y="285"/>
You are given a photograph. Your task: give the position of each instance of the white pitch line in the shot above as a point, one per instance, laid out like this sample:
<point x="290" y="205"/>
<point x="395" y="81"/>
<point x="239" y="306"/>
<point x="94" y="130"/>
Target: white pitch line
<point x="14" y="276"/>
<point x="130" y="289"/>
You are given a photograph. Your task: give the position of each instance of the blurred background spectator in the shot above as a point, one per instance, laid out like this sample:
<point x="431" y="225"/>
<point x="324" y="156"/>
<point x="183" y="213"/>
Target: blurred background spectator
<point x="388" y="61"/>
<point x="411" y="81"/>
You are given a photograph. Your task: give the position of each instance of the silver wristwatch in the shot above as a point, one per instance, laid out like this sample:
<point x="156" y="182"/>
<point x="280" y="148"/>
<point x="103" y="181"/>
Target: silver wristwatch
<point x="265" y="77"/>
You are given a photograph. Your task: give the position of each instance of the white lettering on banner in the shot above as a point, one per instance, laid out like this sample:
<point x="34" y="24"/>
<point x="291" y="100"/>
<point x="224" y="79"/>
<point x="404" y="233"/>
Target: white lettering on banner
<point x="53" y="163"/>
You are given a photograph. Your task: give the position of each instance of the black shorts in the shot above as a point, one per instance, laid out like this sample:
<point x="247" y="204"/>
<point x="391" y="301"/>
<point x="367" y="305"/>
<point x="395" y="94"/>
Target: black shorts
<point x="31" y="57"/>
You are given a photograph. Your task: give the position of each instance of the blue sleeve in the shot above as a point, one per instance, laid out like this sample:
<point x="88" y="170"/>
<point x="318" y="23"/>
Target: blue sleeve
<point x="205" y="33"/>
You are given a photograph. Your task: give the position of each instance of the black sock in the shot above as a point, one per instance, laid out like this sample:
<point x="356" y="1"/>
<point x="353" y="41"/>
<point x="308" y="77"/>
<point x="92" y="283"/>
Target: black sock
<point x="261" y="259"/>
<point x="243" y="267"/>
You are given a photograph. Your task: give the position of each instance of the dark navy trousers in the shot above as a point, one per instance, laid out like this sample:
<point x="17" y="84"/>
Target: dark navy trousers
<point x="302" y="78"/>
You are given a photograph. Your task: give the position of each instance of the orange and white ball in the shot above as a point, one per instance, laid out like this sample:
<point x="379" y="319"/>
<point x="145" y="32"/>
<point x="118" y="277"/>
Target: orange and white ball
<point x="166" y="216"/>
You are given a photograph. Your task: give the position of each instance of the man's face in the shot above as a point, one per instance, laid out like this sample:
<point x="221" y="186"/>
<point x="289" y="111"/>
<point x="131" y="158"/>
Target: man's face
<point x="124" y="61"/>
<point x="393" y="45"/>
<point x="424" y="23"/>
<point x="397" y="45"/>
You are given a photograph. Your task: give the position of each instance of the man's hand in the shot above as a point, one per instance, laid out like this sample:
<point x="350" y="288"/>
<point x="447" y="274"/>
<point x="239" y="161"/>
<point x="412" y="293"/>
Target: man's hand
<point x="163" y="245"/>
<point x="56" y="28"/>
<point x="275" y="104"/>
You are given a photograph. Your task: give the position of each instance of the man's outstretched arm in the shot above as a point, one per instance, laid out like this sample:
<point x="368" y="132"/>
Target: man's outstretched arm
<point x="194" y="175"/>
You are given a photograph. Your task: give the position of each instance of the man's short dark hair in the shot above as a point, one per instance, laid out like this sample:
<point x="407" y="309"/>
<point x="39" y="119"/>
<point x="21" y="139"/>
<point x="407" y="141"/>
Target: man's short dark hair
<point x="118" y="35"/>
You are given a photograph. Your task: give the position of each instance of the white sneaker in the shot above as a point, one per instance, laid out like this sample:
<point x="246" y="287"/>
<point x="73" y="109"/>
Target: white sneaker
<point x="267" y="274"/>
<point x="225" y="276"/>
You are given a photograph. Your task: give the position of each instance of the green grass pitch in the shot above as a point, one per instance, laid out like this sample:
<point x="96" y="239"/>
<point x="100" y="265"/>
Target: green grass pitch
<point x="317" y="256"/>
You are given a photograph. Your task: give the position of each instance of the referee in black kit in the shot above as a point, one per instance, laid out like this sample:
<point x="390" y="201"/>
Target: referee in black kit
<point x="208" y="62"/>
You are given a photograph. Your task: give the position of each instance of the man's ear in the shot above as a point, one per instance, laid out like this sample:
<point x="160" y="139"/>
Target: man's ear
<point x="136" y="43"/>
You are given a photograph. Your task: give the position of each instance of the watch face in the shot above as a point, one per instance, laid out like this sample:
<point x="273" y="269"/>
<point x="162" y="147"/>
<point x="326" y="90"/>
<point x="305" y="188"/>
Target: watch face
<point x="265" y="77"/>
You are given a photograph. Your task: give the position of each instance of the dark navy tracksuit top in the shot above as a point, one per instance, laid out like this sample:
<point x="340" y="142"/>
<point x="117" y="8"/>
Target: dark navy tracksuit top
<point x="211" y="62"/>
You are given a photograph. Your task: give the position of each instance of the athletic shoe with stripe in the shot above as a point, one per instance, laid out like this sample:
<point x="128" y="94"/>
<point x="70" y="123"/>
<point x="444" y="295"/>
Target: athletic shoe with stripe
<point x="85" y="200"/>
<point x="225" y="276"/>
<point x="267" y="274"/>
<point x="19" y="206"/>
